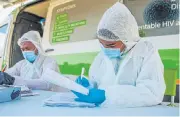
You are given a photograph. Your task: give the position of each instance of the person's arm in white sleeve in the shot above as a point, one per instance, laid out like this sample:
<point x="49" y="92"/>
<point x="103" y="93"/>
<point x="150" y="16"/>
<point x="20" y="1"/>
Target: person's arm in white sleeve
<point x="149" y="89"/>
<point x="40" y="83"/>
<point x="32" y="83"/>
<point x="15" y="70"/>
<point x="37" y="83"/>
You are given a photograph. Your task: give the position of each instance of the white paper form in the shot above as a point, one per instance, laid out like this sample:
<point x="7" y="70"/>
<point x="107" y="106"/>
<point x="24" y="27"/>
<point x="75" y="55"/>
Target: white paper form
<point x="26" y="92"/>
<point x="60" y="80"/>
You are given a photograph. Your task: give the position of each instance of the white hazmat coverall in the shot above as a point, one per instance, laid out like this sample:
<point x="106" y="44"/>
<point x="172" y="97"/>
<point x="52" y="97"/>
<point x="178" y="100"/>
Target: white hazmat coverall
<point x="139" y="80"/>
<point x="29" y="74"/>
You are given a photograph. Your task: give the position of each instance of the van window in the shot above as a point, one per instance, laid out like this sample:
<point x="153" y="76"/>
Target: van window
<point x="3" y="30"/>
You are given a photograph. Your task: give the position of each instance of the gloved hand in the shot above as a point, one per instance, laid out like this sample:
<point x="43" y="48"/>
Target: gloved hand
<point x="95" y="96"/>
<point x="82" y="81"/>
<point x="6" y="79"/>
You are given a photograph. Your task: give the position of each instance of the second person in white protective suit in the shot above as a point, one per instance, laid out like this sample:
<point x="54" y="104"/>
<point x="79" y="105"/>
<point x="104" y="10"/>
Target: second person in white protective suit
<point x="28" y="72"/>
<point x="128" y="72"/>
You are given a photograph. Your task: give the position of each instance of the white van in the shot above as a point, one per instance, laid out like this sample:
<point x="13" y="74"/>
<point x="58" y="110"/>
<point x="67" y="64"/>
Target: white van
<point x="68" y="35"/>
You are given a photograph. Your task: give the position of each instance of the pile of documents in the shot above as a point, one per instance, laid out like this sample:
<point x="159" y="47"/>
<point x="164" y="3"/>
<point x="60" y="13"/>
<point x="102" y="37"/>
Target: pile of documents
<point x="25" y="92"/>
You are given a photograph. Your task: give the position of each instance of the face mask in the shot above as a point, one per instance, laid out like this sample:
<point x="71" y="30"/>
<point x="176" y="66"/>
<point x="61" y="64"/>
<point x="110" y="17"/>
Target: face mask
<point x="30" y="56"/>
<point x="111" y="52"/>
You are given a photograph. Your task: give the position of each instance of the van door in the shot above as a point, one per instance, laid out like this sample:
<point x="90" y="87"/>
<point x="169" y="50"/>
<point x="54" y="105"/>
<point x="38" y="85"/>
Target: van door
<point x="70" y="30"/>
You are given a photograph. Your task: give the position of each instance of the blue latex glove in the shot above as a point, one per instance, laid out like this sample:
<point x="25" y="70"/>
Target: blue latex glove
<point x="82" y="81"/>
<point x="95" y="96"/>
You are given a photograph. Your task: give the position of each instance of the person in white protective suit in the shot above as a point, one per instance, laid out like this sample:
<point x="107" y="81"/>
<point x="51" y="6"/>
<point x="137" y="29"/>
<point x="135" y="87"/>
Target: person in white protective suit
<point x="128" y="72"/>
<point x="28" y="72"/>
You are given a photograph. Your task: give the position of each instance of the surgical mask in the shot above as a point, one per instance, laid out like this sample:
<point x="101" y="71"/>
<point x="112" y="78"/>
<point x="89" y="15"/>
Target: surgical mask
<point x="111" y="52"/>
<point x="30" y="56"/>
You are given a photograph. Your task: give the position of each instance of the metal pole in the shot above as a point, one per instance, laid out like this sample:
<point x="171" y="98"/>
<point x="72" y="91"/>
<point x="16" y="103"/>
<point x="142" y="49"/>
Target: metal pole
<point x="172" y="100"/>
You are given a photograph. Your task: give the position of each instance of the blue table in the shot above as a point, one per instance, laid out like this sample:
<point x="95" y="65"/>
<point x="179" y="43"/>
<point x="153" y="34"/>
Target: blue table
<point x="33" y="106"/>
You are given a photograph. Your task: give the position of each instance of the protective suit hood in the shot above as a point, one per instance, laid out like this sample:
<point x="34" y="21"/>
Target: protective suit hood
<point x="34" y="37"/>
<point x="118" y="23"/>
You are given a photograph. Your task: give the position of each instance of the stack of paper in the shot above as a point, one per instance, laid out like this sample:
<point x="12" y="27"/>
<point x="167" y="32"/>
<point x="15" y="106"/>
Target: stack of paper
<point x="65" y="100"/>
<point x="25" y="92"/>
